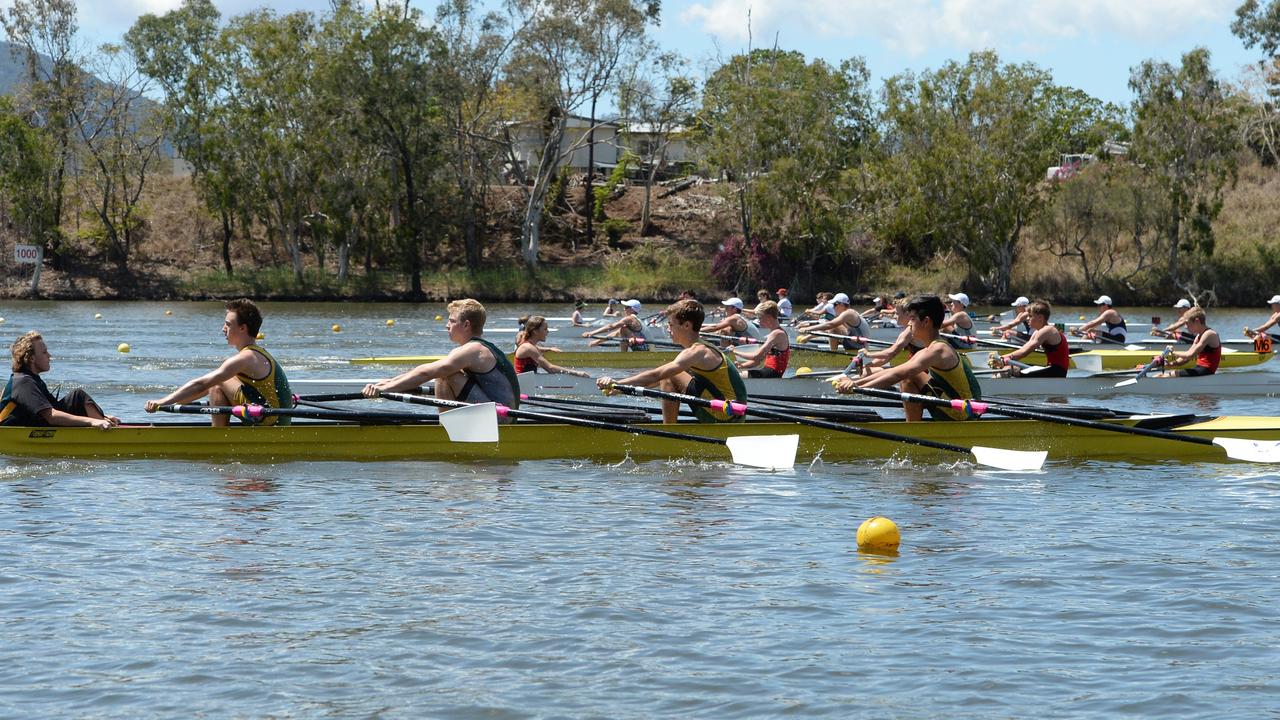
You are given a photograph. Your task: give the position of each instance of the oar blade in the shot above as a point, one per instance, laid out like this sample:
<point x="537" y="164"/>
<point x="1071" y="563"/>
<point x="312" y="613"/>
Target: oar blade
<point x="773" y="452"/>
<point x="473" y="424"/>
<point x="1126" y="383"/>
<point x="1088" y="362"/>
<point x="1259" y="451"/>
<point x="1009" y="459"/>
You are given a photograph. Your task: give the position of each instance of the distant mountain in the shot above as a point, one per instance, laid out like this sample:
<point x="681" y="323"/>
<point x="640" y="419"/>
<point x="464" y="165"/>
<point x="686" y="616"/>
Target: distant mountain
<point x="13" y="70"/>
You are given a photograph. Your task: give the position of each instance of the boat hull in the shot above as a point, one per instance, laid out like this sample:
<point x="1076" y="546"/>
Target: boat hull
<point x="317" y="441"/>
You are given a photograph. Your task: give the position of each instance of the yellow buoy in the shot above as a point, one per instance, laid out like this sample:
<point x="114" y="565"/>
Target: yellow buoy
<point x="878" y="533"/>
<point x="391" y="323"/>
<point x="123" y="347"/>
<point x="337" y="327"/>
<point x="439" y="318"/>
<point x="168" y="312"/>
<point x="97" y="316"/>
<point x="1081" y="317"/>
<point x="262" y="336"/>
<point x="804" y="370"/>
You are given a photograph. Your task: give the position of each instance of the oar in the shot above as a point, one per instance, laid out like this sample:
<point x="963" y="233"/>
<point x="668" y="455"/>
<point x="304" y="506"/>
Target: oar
<point x="257" y="412"/>
<point x="773" y="452"/>
<point x="1023" y="368"/>
<point x="1264" y="451"/>
<point x="834" y="336"/>
<point x="992" y="457"/>
<point x="974" y="339"/>
<point x="1155" y="362"/>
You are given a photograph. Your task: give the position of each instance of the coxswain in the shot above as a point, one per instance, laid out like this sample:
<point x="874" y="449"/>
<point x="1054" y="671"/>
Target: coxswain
<point x="846" y="322"/>
<point x="1116" y="332"/>
<point x="1274" y="302"/>
<point x="959" y="324"/>
<point x="529" y="357"/>
<point x="628" y="330"/>
<point x="1019" y="328"/>
<point x="1206" y="349"/>
<point x="28" y="402"/>
<point x="936" y="369"/>
<point x="769" y="358"/>
<point x="250" y="377"/>
<point x="1046" y="337"/>
<point x="576" y="319"/>
<point x="784" y="305"/>
<point x="1175" y="329"/>
<point x="475" y="371"/>
<point x="700" y="369"/>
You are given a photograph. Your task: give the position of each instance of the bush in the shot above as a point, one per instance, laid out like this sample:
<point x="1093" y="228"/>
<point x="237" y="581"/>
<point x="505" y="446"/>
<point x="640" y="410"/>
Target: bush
<point x="614" y="229"/>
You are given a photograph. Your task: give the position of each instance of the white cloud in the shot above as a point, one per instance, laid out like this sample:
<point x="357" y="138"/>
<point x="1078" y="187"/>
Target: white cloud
<point x="913" y="27"/>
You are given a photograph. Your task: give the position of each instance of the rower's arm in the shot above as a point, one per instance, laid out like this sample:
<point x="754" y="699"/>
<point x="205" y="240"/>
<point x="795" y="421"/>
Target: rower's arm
<point x="455" y="362"/>
<point x="681" y="363"/>
<point x="1275" y="318"/>
<point x="1030" y="346"/>
<point x="1092" y="324"/>
<point x="756" y="357"/>
<point x="198" y="387"/>
<point x="920" y="362"/>
<point x="880" y="357"/>
<point x="1186" y="356"/>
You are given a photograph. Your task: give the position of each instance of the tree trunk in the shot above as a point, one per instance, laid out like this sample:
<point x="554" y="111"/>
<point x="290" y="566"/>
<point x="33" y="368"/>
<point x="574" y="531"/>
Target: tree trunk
<point x="226" y="241"/>
<point x="531" y="227"/>
<point x="589" y="235"/>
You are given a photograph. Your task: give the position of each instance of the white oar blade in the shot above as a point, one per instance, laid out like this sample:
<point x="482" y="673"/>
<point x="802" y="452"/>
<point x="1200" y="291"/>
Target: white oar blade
<point x="774" y="452"/>
<point x="1126" y="383"/>
<point x="474" y="423"/>
<point x="1009" y="459"/>
<point x="1088" y="363"/>
<point x="1261" y="451"/>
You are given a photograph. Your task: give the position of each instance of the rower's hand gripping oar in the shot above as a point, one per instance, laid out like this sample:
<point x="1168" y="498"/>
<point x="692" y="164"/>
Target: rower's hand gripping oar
<point x="1157" y="361"/>
<point x="479" y="423"/>
<point x="1263" y="451"/>
<point x="992" y="457"/>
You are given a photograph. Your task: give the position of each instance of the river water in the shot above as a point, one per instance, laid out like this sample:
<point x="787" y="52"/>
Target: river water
<point x="566" y="589"/>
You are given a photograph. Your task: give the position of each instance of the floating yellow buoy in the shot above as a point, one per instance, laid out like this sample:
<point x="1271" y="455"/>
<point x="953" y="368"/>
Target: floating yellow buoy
<point x="97" y="316"/>
<point x="262" y="336"/>
<point x="878" y="533"/>
<point x="1081" y="317"/>
<point x="391" y="323"/>
<point x="123" y="347"/>
<point x="804" y="370"/>
<point x="439" y="318"/>
<point x="168" y="312"/>
<point x="337" y="327"/>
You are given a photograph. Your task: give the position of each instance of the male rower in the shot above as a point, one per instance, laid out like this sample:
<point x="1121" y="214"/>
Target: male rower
<point x="475" y="371"/>
<point x="700" y="369"/>
<point x="628" y="330"/>
<point x="959" y="323"/>
<point x="1115" y="333"/>
<point x="1019" y="328"/>
<point x="769" y="358"/>
<point x="250" y="377"/>
<point x="1175" y="329"/>
<point x="905" y="342"/>
<point x="1044" y="337"/>
<point x="1274" y="302"/>
<point x="784" y="305"/>
<point x="936" y="369"/>
<point x="1206" y="349"/>
<point x="735" y="323"/>
<point x="28" y="402"/>
<point x="847" y="322"/>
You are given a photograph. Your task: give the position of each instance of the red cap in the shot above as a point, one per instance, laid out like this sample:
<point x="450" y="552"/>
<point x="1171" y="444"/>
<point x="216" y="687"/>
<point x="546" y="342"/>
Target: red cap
<point x="782" y="291"/>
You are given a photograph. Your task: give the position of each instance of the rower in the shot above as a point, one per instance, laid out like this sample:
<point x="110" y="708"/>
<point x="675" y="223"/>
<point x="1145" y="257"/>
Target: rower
<point x="959" y="322"/>
<point x="1019" y="328"/>
<point x="1206" y="348"/>
<point x="475" y="371"/>
<point x="768" y="359"/>
<point x="784" y="305"/>
<point x="611" y="310"/>
<point x="250" y="377"/>
<point x="628" y="330"/>
<point x="937" y="369"/>
<point x="1274" y="302"/>
<point x="1044" y="337"/>
<point x="735" y="323"/>
<point x="700" y="369"/>
<point x="905" y="342"/>
<point x="28" y="402"/>
<point x="576" y="319"/>
<point x="847" y="321"/>
<point x="820" y="309"/>
<point x="529" y="357"/>
<point x="1116" y="331"/>
<point x="1175" y="331"/>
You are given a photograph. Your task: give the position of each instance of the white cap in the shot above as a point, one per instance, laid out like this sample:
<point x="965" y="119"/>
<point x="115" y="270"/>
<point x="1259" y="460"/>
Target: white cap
<point x="732" y="302"/>
<point x="633" y="304"/>
<point x="878" y="300"/>
<point x="1184" y="303"/>
<point x="840" y="298"/>
<point x="960" y="298"/>
<point x="1274" y="299"/>
<point x="1020" y="302"/>
<point x="1103" y="300"/>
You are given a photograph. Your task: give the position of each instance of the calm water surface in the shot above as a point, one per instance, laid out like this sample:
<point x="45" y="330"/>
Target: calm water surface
<point x="562" y="589"/>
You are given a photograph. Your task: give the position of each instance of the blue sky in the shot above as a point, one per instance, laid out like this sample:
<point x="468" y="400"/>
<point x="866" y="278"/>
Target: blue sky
<point x="1088" y="44"/>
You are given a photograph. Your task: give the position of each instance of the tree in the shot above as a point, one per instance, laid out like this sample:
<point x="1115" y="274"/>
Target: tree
<point x="963" y="155"/>
<point x="1186" y="134"/>
<point x="1258" y="24"/>
<point x="26" y="161"/>
<point x="566" y="57"/>
<point x="661" y="99"/>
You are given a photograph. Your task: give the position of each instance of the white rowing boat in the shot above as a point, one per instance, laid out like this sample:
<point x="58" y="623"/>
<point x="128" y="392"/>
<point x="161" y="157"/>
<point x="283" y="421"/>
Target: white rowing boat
<point x="1221" y="384"/>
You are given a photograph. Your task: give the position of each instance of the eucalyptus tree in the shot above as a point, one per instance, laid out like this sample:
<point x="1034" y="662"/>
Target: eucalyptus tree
<point x="661" y="98"/>
<point x="26" y="163"/>
<point x="1186" y="134"/>
<point x="45" y="32"/>
<point x="1257" y="24"/>
<point x="566" y="57"/>
<point x="961" y="164"/>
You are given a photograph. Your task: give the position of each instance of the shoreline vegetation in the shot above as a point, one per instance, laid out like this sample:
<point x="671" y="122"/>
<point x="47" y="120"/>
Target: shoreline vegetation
<point x="381" y="154"/>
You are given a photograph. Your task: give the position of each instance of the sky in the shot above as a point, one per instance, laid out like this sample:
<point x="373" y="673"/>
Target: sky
<point x="1086" y="44"/>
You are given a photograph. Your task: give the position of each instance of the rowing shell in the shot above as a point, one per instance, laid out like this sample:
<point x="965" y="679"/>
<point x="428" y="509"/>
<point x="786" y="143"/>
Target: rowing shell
<point x="1253" y="384"/>
<point x="517" y="442"/>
